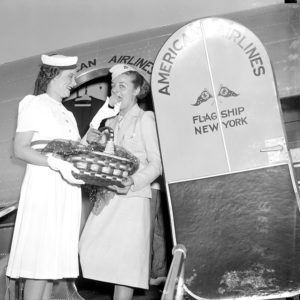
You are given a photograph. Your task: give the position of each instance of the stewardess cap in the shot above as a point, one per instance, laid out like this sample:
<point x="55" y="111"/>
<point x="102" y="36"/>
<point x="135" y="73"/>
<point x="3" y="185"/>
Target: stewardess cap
<point x="119" y="69"/>
<point x="61" y="61"/>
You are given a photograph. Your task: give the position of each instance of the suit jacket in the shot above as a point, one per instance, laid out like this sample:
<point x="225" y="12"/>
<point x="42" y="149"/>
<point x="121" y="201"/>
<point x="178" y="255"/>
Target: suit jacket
<point x="136" y="132"/>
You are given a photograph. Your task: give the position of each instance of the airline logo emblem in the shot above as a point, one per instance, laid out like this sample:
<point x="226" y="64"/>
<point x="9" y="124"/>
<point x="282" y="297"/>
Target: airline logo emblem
<point x="206" y="95"/>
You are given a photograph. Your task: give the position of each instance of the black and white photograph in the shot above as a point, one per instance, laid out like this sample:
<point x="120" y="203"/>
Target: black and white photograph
<point x="149" y="150"/>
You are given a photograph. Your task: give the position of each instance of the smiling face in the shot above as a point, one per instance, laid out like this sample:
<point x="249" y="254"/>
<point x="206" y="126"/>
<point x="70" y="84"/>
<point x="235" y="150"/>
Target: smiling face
<point x="63" y="83"/>
<point x="124" y="91"/>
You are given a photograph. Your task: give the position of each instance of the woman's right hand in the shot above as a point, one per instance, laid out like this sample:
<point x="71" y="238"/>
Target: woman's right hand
<point x="65" y="168"/>
<point x="127" y="183"/>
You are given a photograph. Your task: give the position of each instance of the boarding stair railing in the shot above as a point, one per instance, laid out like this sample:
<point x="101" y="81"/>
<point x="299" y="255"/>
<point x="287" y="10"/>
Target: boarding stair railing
<point x="7" y="209"/>
<point x="6" y="229"/>
<point x="174" y="286"/>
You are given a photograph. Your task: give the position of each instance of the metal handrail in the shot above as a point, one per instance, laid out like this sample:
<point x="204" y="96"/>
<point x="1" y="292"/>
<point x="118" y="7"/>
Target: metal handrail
<point x="173" y="289"/>
<point x="8" y="209"/>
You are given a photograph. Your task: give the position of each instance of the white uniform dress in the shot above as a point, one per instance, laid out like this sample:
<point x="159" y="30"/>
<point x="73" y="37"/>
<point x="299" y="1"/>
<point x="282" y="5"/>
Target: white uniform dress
<point x="114" y="246"/>
<point x="46" y="234"/>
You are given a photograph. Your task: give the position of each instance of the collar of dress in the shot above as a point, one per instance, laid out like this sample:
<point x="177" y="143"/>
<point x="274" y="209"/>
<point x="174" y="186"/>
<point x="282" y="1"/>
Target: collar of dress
<point x="46" y="96"/>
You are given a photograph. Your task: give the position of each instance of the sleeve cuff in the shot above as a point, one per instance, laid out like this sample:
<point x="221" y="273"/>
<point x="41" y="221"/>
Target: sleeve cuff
<point x="132" y="188"/>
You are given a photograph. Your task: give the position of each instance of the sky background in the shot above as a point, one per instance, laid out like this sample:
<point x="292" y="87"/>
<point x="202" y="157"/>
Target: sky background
<point x="32" y="27"/>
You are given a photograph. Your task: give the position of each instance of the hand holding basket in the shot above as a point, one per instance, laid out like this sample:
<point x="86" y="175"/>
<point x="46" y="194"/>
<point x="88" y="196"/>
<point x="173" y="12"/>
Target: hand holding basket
<point x="100" y="164"/>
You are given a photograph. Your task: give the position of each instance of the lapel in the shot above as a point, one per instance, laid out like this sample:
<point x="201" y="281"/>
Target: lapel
<point x="125" y="125"/>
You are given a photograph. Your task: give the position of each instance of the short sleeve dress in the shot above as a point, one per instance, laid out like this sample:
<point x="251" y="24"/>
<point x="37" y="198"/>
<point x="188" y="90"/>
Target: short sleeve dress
<point x="45" y="240"/>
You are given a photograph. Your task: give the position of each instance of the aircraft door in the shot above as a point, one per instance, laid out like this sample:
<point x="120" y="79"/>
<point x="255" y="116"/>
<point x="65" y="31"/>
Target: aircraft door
<point x="231" y="186"/>
<point x="84" y="102"/>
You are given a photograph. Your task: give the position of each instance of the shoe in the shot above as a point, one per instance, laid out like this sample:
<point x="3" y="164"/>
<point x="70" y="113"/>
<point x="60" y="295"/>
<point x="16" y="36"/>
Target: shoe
<point x="158" y="280"/>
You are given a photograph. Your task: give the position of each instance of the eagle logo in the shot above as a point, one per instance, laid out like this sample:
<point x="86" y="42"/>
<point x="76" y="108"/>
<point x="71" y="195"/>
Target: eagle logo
<point x="204" y="96"/>
<point x="226" y="92"/>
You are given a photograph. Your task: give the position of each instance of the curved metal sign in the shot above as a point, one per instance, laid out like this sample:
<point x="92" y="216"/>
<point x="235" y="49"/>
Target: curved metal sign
<point x="215" y="101"/>
<point x="231" y="190"/>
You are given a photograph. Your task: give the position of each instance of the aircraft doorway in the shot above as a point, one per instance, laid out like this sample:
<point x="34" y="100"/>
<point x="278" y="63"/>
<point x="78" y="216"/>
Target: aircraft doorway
<point x="93" y="87"/>
<point x="87" y="99"/>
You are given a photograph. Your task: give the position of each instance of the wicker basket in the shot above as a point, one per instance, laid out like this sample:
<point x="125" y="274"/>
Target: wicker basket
<point x="100" y="164"/>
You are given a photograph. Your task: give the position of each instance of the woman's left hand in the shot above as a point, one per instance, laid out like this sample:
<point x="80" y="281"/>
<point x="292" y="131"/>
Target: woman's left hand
<point x="127" y="182"/>
<point x="93" y="135"/>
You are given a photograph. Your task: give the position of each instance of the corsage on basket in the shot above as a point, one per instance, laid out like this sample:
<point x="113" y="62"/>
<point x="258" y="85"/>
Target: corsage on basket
<point x="101" y="164"/>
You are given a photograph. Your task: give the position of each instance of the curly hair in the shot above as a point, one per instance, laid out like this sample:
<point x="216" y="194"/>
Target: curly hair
<point x="46" y="74"/>
<point x="139" y="81"/>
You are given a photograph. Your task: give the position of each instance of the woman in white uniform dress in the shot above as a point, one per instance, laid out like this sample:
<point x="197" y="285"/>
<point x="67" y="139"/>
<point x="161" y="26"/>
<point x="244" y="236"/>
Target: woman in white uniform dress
<point x="46" y="234"/>
<point x="115" y="245"/>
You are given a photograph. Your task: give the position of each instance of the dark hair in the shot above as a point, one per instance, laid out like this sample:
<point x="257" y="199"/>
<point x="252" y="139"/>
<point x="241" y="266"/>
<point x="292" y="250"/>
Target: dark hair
<point x="46" y="74"/>
<point x="139" y="81"/>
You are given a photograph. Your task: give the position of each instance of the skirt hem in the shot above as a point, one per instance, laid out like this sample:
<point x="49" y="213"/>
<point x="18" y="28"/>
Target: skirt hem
<point x="120" y="282"/>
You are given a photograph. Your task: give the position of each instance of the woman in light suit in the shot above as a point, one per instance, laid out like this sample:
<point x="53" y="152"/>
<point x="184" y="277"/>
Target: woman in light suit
<point x="115" y="244"/>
